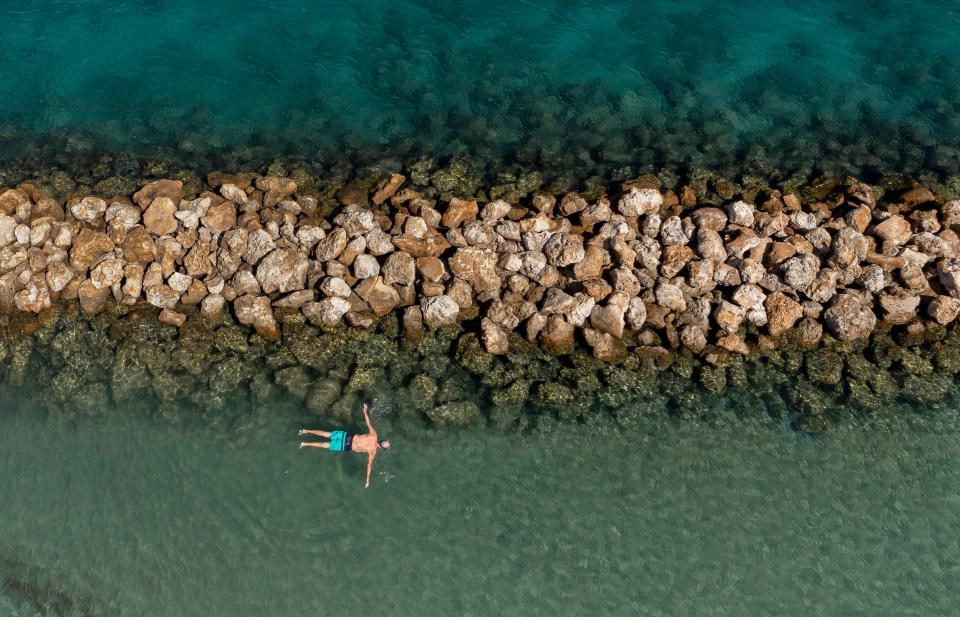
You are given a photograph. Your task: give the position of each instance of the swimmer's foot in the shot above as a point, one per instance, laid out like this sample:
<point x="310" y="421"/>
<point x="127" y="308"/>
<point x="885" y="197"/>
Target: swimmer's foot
<point x="301" y="432"/>
<point x="301" y="445"/>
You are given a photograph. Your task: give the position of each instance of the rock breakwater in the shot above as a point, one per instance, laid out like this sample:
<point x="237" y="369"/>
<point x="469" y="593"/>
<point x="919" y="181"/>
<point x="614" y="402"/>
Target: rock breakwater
<point x="644" y="270"/>
<point x="833" y="294"/>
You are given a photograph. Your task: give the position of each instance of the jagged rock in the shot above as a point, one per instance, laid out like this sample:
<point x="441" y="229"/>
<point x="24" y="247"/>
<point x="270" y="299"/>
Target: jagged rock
<point x="564" y="250"/>
<point x="169" y="189"/>
<point x="158" y="218"/>
<point x="275" y="189"/>
<point x="35" y="296"/>
<point x="608" y="319"/>
<point x="58" y="275"/>
<point x="89" y="209"/>
<point x="213" y="306"/>
<point x="162" y="296"/>
<point x="381" y="297"/>
<point x="782" y="313"/>
<point x="477" y="267"/>
<point x="92" y="300"/>
<point x="326" y="313"/>
<point x="356" y="222"/>
<point x="729" y="316"/>
<point x="944" y="309"/>
<point x="172" y="318"/>
<point x="670" y="296"/>
<point x="458" y="211"/>
<point x="439" y="310"/>
<point x="107" y="273"/>
<point x="895" y="230"/>
<point x="849" y="317"/>
<point x="639" y="201"/>
<point x="256" y="311"/>
<point x="88" y="246"/>
<point x="694" y="338"/>
<point x="749" y="296"/>
<point x="740" y="213"/>
<point x="283" y="270"/>
<point x="899" y="306"/>
<point x="557" y="335"/>
<point x="556" y="302"/>
<point x="800" y="272"/>
<point x="494" y="339"/>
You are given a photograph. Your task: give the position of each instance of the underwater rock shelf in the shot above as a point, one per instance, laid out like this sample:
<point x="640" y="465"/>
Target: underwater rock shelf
<point x="704" y="274"/>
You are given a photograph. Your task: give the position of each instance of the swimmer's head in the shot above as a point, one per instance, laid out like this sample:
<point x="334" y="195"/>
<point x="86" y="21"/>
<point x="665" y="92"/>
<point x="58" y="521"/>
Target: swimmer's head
<point x="384" y="443"/>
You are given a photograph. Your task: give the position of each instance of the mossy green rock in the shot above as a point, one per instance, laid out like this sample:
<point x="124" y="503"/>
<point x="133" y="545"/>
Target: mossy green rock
<point x="454" y="413"/>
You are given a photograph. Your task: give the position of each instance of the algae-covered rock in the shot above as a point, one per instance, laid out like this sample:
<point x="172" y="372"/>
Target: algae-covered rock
<point x="422" y="390"/>
<point x="472" y="356"/>
<point x="713" y="378"/>
<point x="926" y="390"/>
<point x="512" y="395"/>
<point x="553" y="395"/>
<point x="294" y="380"/>
<point x="825" y="367"/>
<point x="228" y="375"/>
<point x="915" y="364"/>
<point x="322" y="395"/>
<point x="454" y="413"/>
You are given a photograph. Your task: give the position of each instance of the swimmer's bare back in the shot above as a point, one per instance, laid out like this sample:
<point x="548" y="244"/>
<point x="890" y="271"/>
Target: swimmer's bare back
<point x="341" y="441"/>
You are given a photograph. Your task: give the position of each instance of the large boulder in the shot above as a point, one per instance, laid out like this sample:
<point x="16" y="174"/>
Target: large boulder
<point x="283" y="270"/>
<point x="477" y="267"/>
<point x="326" y="313"/>
<point x="381" y="297"/>
<point x="439" y="310"/>
<point x="256" y="311"/>
<point x="158" y="217"/>
<point x="639" y="201"/>
<point x="88" y="246"/>
<point x="782" y="313"/>
<point x="849" y="317"/>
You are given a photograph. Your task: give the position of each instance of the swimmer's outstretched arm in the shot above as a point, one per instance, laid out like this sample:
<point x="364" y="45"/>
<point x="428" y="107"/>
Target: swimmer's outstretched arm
<point x="369" y="468"/>
<point x="366" y="417"/>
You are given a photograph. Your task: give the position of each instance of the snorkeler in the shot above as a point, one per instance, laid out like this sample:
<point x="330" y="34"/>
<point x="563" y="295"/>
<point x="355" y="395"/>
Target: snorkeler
<point x="342" y="441"/>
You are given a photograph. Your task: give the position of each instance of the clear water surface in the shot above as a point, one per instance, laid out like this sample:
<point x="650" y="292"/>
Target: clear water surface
<point x="121" y="515"/>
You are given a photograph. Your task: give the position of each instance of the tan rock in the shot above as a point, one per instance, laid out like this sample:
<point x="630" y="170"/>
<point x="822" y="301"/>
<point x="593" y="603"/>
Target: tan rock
<point x="693" y="337"/>
<point x="388" y="188"/>
<point x="92" y="300"/>
<point x="849" y="317"/>
<point x="381" y="297"/>
<point x="89" y="209"/>
<point x="107" y="273"/>
<point x="608" y="319"/>
<point x="899" y="306"/>
<point x="557" y="335"/>
<point x="256" y="311"/>
<point x="169" y="189"/>
<point x="132" y="283"/>
<point x="158" y="217"/>
<point x="432" y="244"/>
<point x="944" y="309"/>
<point x="13" y="201"/>
<point x="35" y="296"/>
<point x="494" y="338"/>
<point x="212" y="306"/>
<point x="194" y="294"/>
<point x="591" y="266"/>
<point x="458" y="211"/>
<point x="162" y="296"/>
<point x="88" y="246"/>
<point x="709" y="218"/>
<point x="782" y="313"/>
<point x="275" y="189"/>
<point x="221" y="217"/>
<point x="895" y="230"/>
<point x="282" y="270"/>
<point x="439" y="310"/>
<point x="327" y="313"/>
<point x="172" y="318"/>
<point x="58" y="275"/>
<point x="477" y="267"/>
<point x="138" y="246"/>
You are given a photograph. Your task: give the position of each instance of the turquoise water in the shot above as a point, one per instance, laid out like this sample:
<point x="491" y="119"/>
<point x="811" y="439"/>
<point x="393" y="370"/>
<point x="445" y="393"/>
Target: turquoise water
<point x="122" y="515"/>
<point x="843" y="86"/>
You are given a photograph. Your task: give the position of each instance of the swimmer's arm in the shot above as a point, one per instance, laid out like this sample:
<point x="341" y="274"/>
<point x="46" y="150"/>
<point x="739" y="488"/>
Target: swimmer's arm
<point x="369" y="469"/>
<point x="366" y="417"/>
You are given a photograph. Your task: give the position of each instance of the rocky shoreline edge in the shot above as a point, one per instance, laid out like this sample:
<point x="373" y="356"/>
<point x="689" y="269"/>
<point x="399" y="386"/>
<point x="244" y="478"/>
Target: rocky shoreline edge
<point x="644" y="280"/>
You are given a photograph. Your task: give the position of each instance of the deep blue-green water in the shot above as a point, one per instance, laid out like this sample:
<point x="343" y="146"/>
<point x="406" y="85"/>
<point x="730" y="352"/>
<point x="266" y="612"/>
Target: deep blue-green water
<point x="843" y="85"/>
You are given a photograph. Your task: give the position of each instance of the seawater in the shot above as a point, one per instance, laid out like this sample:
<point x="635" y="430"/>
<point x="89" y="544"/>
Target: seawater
<point x="844" y="87"/>
<point x="125" y="515"/>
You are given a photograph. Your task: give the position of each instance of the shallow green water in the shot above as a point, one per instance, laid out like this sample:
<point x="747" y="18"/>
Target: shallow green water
<point x="125" y="516"/>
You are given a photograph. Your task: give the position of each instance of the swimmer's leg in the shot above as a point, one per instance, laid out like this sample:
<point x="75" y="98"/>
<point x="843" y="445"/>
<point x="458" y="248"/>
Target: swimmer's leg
<point x="317" y="433"/>
<point x="315" y="444"/>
